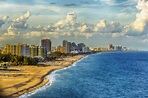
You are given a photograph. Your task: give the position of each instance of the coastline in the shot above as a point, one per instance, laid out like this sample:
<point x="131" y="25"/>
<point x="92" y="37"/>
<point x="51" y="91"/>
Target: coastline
<point x="38" y="80"/>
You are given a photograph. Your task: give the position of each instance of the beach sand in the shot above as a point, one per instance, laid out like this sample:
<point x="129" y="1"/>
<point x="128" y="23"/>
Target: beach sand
<point x="18" y="80"/>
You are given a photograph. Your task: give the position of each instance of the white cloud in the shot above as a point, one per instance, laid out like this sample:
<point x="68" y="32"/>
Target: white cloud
<point x="3" y="20"/>
<point x="33" y="34"/>
<point x="85" y="28"/>
<point x="140" y="25"/>
<point x="70" y="20"/>
<point x="10" y="31"/>
<point x="108" y="27"/>
<point x="21" y="21"/>
<point x="141" y="22"/>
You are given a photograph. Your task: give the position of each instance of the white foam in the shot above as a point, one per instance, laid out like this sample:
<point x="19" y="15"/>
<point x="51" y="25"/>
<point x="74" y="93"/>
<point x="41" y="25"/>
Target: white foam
<point x="51" y="78"/>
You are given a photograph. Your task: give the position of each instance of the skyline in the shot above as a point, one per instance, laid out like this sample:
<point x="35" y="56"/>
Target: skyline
<point x="94" y="22"/>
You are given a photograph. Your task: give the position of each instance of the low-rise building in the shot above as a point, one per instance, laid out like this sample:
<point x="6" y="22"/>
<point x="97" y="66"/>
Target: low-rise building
<point x="61" y="49"/>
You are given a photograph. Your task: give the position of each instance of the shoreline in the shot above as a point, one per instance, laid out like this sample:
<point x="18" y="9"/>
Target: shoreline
<point x="41" y="83"/>
<point x="68" y="61"/>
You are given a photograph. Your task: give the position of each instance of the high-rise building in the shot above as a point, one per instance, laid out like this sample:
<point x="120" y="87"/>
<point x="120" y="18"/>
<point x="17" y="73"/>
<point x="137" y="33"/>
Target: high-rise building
<point x="67" y="46"/>
<point x="73" y="46"/>
<point x="80" y="45"/>
<point x="25" y="51"/>
<point x="9" y="49"/>
<point x="110" y="47"/>
<point x="13" y="49"/>
<point x="34" y="50"/>
<point x="22" y="50"/>
<point x="19" y="49"/>
<point x="47" y="44"/>
<point x="42" y="51"/>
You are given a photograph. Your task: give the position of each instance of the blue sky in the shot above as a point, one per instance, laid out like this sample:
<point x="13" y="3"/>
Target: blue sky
<point x="94" y="22"/>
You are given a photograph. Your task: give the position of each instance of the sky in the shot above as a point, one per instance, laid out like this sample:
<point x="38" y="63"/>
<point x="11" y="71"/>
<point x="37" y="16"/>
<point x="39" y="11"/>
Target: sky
<point x="96" y="23"/>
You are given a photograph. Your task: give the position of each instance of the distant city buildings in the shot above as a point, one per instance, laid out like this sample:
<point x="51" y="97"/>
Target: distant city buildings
<point x="116" y="48"/>
<point x="45" y="49"/>
<point x="99" y="49"/>
<point x="74" y="48"/>
<point x="22" y="49"/>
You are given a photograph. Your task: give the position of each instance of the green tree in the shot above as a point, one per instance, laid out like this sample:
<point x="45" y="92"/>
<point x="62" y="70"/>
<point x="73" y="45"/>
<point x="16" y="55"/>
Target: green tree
<point x="25" y="61"/>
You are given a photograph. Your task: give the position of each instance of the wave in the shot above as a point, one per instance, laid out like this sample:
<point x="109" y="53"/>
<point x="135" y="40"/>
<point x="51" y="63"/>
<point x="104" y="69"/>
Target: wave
<point x="40" y="88"/>
<point x="52" y="77"/>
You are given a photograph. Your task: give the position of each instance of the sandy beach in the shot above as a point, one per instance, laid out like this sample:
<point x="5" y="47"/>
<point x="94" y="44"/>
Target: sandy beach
<point x="18" y="80"/>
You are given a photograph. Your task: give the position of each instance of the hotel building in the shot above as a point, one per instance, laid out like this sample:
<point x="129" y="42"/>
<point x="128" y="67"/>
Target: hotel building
<point x="19" y="49"/>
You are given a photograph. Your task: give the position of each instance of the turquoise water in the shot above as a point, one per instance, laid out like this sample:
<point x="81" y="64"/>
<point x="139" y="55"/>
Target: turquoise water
<point x="104" y="75"/>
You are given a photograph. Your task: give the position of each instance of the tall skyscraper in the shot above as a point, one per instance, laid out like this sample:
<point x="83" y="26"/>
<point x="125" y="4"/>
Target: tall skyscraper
<point x="67" y="46"/>
<point x="47" y="44"/>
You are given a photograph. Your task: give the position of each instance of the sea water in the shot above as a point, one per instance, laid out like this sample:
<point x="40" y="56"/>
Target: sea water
<point x="103" y="75"/>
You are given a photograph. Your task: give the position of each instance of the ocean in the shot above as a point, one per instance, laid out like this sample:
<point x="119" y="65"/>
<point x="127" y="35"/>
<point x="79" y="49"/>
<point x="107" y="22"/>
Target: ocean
<point x="102" y="75"/>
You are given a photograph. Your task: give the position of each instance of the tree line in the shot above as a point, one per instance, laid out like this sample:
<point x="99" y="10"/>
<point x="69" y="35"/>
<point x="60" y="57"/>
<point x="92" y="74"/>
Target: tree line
<point x="18" y="60"/>
<point x="22" y="60"/>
